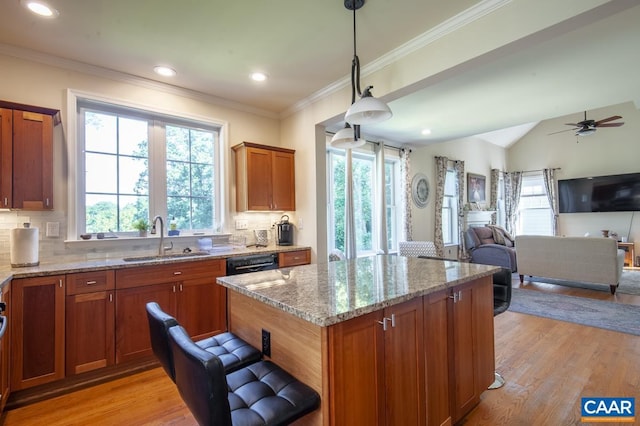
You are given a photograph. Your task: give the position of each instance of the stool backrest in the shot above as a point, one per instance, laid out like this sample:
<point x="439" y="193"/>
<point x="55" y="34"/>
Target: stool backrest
<point x="200" y="378"/>
<point x="159" y="324"/>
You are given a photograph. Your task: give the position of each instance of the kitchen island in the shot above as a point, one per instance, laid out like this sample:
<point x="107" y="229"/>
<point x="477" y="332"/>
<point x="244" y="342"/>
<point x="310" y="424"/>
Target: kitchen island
<point x="383" y="339"/>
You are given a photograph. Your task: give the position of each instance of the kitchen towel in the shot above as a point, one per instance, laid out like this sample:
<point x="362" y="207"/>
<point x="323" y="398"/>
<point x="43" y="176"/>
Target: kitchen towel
<point x="23" y="243"/>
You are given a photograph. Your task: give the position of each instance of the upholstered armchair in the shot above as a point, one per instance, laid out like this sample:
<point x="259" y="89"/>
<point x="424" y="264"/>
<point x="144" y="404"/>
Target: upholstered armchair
<point x="491" y="245"/>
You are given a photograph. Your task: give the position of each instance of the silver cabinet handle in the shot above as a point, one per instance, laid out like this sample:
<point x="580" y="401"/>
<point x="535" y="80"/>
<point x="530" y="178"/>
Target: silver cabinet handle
<point x="384" y="323"/>
<point x="91" y="282"/>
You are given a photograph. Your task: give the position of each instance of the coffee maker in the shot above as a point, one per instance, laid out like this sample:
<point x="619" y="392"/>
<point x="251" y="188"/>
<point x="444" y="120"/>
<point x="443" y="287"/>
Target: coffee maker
<point x="285" y="232"/>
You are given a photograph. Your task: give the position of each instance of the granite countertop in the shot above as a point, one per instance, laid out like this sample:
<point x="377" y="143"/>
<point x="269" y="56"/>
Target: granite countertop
<point x="329" y="293"/>
<point x="73" y="264"/>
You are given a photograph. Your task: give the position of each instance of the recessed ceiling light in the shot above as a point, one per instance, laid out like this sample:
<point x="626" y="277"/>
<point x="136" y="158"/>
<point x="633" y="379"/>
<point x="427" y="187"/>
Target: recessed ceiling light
<point x="164" y="71"/>
<point x="40" y="8"/>
<point x="258" y="76"/>
<point x="426" y="132"/>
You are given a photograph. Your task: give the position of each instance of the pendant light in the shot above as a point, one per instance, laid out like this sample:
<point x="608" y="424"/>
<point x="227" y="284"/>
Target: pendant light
<point x="367" y="110"/>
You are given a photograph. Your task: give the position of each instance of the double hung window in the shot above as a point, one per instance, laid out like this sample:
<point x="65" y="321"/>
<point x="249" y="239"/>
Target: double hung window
<point x="534" y="213"/>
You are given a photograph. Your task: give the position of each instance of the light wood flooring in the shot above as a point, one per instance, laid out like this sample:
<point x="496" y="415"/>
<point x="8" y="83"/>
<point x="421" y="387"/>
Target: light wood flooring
<point x="548" y="365"/>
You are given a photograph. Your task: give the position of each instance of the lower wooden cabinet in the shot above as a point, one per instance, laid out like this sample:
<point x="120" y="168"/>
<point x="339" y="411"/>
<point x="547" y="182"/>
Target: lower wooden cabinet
<point x="37" y="346"/>
<point x="377" y="367"/>
<point x="90" y="321"/>
<point x="186" y="290"/>
<point x="5" y="347"/>
<point x="294" y="258"/>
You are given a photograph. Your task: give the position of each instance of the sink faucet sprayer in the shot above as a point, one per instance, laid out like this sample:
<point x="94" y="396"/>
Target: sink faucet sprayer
<point x="161" y="248"/>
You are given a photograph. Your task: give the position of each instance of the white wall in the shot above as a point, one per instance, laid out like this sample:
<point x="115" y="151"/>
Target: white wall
<point x="608" y="151"/>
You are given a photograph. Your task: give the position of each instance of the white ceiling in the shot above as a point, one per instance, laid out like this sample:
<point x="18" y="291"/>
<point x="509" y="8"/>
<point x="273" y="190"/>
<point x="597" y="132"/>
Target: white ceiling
<point x="305" y="48"/>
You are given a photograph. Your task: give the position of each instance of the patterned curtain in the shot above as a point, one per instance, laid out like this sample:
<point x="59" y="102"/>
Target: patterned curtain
<point x="349" y="219"/>
<point x="441" y="174"/>
<point x="513" y="185"/>
<point x="405" y="196"/>
<point x="459" y="168"/>
<point x="493" y="195"/>
<point x="381" y="200"/>
<point x="549" y="176"/>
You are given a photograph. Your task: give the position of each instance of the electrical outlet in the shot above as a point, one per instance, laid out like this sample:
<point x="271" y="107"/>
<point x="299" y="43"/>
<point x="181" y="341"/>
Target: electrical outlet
<point x="300" y="223"/>
<point x="242" y="224"/>
<point x="53" y="229"/>
<point x="266" y="343"/>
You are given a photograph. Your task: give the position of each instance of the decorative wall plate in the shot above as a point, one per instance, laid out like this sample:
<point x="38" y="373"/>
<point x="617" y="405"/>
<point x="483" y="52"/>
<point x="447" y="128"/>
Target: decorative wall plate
<point x="420" y="190"/>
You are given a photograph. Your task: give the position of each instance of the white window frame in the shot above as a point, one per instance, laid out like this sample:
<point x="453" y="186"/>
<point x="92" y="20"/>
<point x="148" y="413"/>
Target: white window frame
<point x="75" y="158"/>
<point x="527" y="179"/>
<point x="367" y="153"/>
<point x="450" y="204"/>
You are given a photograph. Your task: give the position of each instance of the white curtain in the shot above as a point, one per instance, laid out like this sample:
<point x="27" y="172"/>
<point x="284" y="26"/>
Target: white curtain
<point x="349" y="219"/>
<point x="381" y="200"/>
<point x="405" y="182"/>
<point x="549" y="176"/>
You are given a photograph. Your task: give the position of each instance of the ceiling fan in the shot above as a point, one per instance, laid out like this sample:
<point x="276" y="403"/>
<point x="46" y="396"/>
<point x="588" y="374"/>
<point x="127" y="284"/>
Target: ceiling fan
<point x="587" y="127"/>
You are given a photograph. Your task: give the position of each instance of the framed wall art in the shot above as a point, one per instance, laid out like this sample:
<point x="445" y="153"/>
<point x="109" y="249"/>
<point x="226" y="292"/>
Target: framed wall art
<point x="420" y="190"/>
<point x="476" y="188"/>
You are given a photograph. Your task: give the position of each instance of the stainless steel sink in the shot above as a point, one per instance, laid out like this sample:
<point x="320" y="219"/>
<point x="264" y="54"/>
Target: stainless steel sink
<point x="164" y="256"/>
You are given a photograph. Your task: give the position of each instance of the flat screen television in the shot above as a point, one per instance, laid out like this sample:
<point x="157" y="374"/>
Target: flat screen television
<point x="613" y="193"/>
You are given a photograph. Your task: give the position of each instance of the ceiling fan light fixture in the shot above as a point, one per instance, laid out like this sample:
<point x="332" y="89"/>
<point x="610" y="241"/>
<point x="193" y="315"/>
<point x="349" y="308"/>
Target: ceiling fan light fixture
<point x="346" y="139"/>
<point x="367" y="110"/>
<point x="585" y="132"/>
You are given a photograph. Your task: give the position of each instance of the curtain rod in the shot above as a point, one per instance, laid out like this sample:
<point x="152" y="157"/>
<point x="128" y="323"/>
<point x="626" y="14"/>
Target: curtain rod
<point x="538" y="170"/>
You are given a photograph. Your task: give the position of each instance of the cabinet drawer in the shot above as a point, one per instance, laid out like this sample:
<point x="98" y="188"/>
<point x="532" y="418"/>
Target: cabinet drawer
<point x="89" y="282"/>
<point x="294" y="258"/>
<point x="173" y="272"/>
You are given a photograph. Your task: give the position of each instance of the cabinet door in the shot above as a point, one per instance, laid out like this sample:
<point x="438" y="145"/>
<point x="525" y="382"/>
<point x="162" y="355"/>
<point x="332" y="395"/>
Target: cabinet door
<point x="259" y="179"/>
<point x="283" y="181"/>
<point x="404" y="364"/>
<point x="6" y="156"/>
<point x="436" y="329"/>
<point x="37" y="306"/>
<point x="32" y="161"/>
<point x="90" y="328"/>
<point x="202" y="307"/>
<point x="473" y="350"/>
<point x="357" y="371"/>
<point x="5" y="349"/>
<point x="132" y="326"/>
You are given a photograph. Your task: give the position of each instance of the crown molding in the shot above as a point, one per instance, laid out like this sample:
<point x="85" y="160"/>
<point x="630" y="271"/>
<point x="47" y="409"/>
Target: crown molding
<point x="439" y="31"/>
<point x="122" y="77"/>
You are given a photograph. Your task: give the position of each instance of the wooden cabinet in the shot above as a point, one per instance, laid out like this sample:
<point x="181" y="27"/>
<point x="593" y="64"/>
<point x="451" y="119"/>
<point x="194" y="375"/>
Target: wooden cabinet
<point x="90" y="321"/>
<point x="436" y="329"/>
<point x="473" y="344"/>
<point x="377" y="367"/>
<point x="186" y="290"/>
<point x="5" y="347"/>
<point x="265" y="177"/>
<point x="294" y="258"/>
<point x="26" y="159"/>
<point x="37" y="314"/>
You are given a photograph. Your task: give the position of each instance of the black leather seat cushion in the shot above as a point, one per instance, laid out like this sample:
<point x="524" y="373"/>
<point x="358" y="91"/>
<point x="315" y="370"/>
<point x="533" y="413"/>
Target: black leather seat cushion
<point x="232" y="351"/>
<point x="259" y="394"/>
<point x="501" y="291"/>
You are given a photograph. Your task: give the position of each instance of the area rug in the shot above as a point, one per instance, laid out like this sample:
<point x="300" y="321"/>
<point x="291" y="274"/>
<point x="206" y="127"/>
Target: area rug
<point x="594" y="313"/>
<point x="629" y="283"/>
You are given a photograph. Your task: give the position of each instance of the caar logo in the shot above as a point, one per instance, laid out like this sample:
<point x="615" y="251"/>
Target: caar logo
<point x="609" y="410"/>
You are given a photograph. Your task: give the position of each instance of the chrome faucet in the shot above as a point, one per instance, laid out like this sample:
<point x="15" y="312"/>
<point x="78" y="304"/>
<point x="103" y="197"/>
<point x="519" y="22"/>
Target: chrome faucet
<point x="161" y="248"/>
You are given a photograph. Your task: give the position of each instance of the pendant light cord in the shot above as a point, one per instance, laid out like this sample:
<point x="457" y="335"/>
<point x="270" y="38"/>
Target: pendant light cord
<point x="355" y="64"/>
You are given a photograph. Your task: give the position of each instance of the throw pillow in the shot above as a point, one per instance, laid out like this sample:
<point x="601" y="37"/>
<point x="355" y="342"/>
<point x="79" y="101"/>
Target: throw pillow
<point x="498" y="236"/>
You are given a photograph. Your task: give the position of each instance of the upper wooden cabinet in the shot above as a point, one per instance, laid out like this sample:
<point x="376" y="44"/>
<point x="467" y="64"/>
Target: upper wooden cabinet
<point x="265" y="177"/>
<point x="26" y="156"/>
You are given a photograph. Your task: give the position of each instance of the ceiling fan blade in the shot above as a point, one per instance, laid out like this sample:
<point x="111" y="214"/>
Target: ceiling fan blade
<point x="610" y="124"/>
<point x="572" y="124"/>
<point x="562" y="131"/>
<point x="604" y="120"/>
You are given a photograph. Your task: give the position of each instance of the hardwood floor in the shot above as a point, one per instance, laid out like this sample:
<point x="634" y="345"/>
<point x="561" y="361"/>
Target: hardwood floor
<point x="548" y="366"/>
